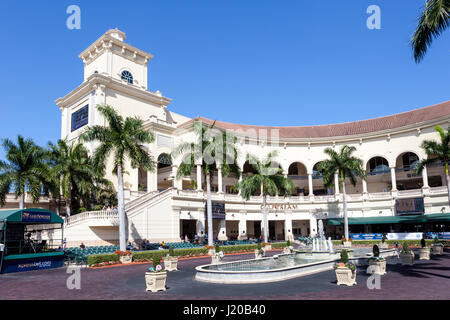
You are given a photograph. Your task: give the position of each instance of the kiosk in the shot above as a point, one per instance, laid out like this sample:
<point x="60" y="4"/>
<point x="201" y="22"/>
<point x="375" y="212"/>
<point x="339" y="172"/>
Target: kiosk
<point x="21" y="246"/>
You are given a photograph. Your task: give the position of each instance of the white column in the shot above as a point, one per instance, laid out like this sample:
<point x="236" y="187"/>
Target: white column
<point x="222" y="235"/>
<point x="242" y="229"/>
<point x="288" y="228"/>
<point x="336" y="184"/>
<point x="393" y="180"/>
<point x="219" y="180"/>
<point x="364" y="185"/>
<point x="199" y="177"/>
<point x="240" y="181"/>
<point x="200" y="227"/>
<point x="310" y="184"/>
<point x="176" y="181"/>
<point x="425" y="177"/>
<point x="312" y="227"/>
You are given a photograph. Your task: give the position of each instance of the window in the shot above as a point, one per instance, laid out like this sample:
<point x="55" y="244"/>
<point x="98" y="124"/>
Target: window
<point x="126" y="75"/>
<point x="80" y="118"/>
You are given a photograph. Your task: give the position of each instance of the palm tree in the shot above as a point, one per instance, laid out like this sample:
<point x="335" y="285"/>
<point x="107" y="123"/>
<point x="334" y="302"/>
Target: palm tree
<point x="124" y="139"/>
<point x="70" y="169"/>
<point x="267" y="178"/>
<point x="346" y="166"/>
<point x="24" y="170"/>
<point x="434" y="19"/>
<point x="437" y="152"/>
<point x="213" y="148"/>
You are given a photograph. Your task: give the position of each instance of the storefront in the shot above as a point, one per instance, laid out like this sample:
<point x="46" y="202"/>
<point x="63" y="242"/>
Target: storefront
<point x="439" y="222"/>
<point x="22" y="246"/>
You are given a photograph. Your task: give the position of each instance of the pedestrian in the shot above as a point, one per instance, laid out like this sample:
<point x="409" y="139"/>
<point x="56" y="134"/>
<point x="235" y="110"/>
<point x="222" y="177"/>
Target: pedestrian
<point x="82" y="246"/>
<point x="64" y="243"/>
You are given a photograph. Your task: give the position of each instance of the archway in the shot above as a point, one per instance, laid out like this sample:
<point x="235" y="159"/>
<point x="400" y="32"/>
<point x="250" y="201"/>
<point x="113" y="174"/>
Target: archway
<point x="164" y="172"/>
<point x="378" y="175"/>
<point x="297" y="172"/>
<point x="406" y="179"/>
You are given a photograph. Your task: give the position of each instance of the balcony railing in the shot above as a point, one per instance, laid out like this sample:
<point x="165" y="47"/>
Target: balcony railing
<point x="93" y="215"/>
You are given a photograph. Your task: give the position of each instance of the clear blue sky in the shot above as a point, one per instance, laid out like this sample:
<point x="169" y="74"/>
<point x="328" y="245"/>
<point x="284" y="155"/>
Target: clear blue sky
<point x="256" y="62"/>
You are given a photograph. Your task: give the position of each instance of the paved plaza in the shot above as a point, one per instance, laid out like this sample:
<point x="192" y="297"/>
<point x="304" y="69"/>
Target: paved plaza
<point x="426" y="279"/>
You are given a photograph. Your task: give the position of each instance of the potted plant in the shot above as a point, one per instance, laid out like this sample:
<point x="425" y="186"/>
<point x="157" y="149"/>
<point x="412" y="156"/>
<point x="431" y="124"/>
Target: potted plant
<point x="266" y="246"/>
<point x="259" y="252"/>
<point x="407" y="255"/>
<point x="155" y="277"/>
<point x="424" y="252"/>
<point x="170" y="261"/>
<point x="347" y="242"/>
<point x="384" y="244"/>
<point x="289" y="248"/>
<point x="217" y="256"/>
<point x="345" y="271"/>
<point x="438" y="248"/>
<point x="124" y="256"/>
<point x="377" y="264"/>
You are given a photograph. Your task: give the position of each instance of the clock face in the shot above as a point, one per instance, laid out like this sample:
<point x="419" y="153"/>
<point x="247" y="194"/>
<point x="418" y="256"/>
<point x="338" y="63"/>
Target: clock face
<point x="126" y="75"/>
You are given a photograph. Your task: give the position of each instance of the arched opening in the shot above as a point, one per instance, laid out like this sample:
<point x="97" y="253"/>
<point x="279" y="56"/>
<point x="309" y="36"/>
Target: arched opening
<point x="164" y="168"/>
<point x="378" y="175"/>
<point x="142" y="180"/>
<point x="318" y="187"/>
<point x="436" y="174"/>
<point x="298" y="174"/>
<point x="405" y="165"/>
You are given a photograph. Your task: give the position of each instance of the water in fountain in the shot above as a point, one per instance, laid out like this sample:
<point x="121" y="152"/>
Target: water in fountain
<point x="330" y="245"/>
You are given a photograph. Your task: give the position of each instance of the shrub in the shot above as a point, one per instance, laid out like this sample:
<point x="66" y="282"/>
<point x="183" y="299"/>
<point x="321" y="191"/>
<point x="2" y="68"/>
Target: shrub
<point x="101" y="258"/>
<point x="344" y="256"/>
<point x="217" y="248"/>
<point x="288" y="243"/>
<point x="423" y="244"/>
<point x="259" y="247"/>
<point x="171" y="252"/>
<point x="156" y="260"/>
<point x="376" y="251"/>
<point x="405" y="247"/>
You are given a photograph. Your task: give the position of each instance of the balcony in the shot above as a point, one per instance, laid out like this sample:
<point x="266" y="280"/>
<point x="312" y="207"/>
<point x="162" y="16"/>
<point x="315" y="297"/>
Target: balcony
<point x="95" y="218"/>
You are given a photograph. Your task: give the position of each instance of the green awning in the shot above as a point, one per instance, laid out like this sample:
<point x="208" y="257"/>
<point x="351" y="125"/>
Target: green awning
<point x="435" y="217"/>
<point x="30" y="216"/>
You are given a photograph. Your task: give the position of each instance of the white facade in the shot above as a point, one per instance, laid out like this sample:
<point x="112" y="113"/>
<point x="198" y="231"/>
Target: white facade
<point x="160" y="208"/>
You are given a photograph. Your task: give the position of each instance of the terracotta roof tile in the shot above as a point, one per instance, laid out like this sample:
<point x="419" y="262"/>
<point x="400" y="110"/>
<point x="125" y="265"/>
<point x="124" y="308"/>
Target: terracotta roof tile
<point x="344" y="129"/>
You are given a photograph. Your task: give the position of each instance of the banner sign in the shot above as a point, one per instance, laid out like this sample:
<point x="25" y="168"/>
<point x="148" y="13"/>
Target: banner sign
<point x="218" y="210"/>
<point x="36" y="217"/>
<point x="366" y="236"/>
<point x="405" y="236"/>
<point x="30" y="264"/>
<point x="409" y="206"/>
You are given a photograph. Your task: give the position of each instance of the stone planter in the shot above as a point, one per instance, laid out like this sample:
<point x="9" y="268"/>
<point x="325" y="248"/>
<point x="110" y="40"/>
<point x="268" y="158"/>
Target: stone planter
<point x="407" y="258"/>
<point x="217" y="258"/>
<point x="258" y="254"/>
<point x="267" y="247"/>
<point x="377" y="267"/>
<point x="383" y="245"/>
<point x="126" y="259"/>
<point x="170" y="264"/>
<point x="156" y="281"/>
<point x="438" y="248"/>
<point x="288" y="250"/>
<point x="347" y="244"/>
<point x="345" y="276"/>
<point x="424" y="254"/>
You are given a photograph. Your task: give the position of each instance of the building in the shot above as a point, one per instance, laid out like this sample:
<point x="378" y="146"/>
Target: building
<point x="161" y="207"/>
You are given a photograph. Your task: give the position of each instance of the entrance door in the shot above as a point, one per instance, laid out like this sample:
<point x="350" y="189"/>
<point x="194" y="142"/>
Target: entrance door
<point x="272" y="235"/>
<point x="257" y="229"/>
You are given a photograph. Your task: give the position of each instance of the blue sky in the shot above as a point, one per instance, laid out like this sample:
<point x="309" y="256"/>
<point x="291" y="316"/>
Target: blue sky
<point x="266" y="62"/>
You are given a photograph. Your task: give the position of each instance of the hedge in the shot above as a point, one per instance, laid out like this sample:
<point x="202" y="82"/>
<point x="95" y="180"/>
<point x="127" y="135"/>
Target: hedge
<point x="99" y="258"/>
<point x="148" y="255"/>
<point x="392" y="242"/>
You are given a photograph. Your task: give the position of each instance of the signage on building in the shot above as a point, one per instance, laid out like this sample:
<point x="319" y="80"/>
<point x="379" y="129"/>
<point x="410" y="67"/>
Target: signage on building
<point x="405" y="236"/>
<point x="366" y="236"/>
<point x="218" y="210"/>
<point x="280" y="206"/>
<point x="409" y="206"/>
<point x="36" y="217"/>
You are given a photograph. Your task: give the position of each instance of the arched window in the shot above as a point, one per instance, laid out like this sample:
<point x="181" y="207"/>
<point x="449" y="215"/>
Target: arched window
<point x="127" y="76"/>
<point x="378" y="166"/>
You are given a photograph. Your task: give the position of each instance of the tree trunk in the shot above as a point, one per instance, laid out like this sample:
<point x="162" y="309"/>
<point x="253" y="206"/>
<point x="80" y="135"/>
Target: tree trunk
<point x="265" y="223"/>
<point x="209" y="210"/>
<point x="69" y="201"/>
<point x="22" y="201"/>
<point x="448" y="181"/>
<point x="121" y="206"/>
<point x="345" y="208"/>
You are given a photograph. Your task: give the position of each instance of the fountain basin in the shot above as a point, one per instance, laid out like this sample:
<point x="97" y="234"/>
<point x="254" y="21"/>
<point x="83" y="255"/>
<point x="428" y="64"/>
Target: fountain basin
<point x="277" y="268"/>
